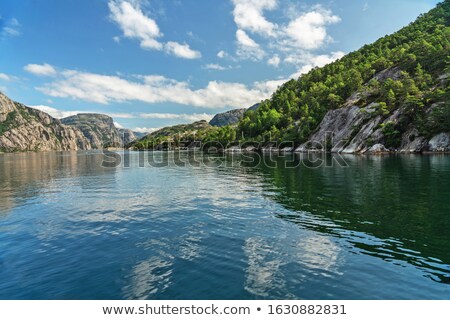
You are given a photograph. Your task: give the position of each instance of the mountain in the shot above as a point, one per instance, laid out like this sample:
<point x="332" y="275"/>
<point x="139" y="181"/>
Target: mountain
<point x="228" y="118"/>
<point x="128" y="136"/>
<point x="391" y="95"/>
<point x="181" y="135"/>
<point x="98" y="128"/>
<point x="27" y="129"/>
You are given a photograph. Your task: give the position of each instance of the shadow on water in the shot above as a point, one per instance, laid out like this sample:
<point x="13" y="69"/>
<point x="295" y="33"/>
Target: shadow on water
<point x="395" y="208"/>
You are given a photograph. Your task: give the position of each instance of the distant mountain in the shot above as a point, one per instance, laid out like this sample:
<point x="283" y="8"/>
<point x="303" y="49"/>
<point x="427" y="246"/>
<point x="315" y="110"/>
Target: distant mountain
<point x="181" y="134"/>
<point x="98" y="128"/>
<point x="228" y="118"/>
<point x="128" y="136"/>
<point x="27" y="129"/>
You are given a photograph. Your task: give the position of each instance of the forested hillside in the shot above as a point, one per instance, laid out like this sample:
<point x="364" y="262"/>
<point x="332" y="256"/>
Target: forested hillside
<point x="394" y="92"/>
<point x="421" y="54"/>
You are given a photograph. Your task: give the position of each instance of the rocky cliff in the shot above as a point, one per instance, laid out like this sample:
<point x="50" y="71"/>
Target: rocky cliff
<point x="228" y="118"/>
<point x="128" y="136"/>
<point x="98" y="128"/>
<point x="364" y="128"/>
<point x="26" y="129"/>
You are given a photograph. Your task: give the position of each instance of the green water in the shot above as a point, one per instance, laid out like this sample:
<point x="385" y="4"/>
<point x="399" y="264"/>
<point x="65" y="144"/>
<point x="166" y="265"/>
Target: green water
<point x="225" y="227"/>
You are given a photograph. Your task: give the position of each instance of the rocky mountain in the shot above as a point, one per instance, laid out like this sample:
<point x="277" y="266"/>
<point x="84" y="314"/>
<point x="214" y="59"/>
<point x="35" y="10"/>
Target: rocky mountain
<point x="127" y="136"/>
<point x="98" y="128"/>
<point x="228" y="118"/>
<point x="26" y="129"/>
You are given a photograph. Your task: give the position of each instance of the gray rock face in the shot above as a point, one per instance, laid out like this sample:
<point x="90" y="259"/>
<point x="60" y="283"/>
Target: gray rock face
<point x="440" y="143"/>
<point x="359" y="130"/>
<point x="98" y="128"/>
<point x="127" y="136"/>
<point x="228" y="118"/>
<point x="26" y="129"/>
<point x="412" y="142"/>
<point x="378" y="148"/>
<point x="344" y="130"/>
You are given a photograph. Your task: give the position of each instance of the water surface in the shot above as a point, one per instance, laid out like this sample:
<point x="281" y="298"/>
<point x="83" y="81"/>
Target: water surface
<point x="72" y="229"/>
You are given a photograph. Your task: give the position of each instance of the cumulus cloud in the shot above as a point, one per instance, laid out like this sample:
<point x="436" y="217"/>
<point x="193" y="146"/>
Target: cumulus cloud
<point x="247" y="47"/>
<point x="105" y="89"/>
<point x="248" y="15"/>
<point x="40" y="69"/>
<point x="308" y="31"/>
<point x="136" y="25"/>
<point x="304" y="31"/>
<point x="182" y="50"/>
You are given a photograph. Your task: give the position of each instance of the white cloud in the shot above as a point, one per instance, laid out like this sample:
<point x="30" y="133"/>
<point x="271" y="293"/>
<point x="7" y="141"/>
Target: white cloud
<point x="118" y="125"/>
<point x="274" y="61"/>
<point x="222" y="54"/>
<point x="59" y="114"/>
<point x="311" y="61"/>
<point x="55" y="113"/>
<point x="182" y="50"/>
<point x="173" y="116"/>
<point x="104" y="89"/>
<point x="304" y="32"/>
<point x="247" y="47"/>
<point x="248" y="15"/>
<point x="9" y="28"/>
<point x="145" y="130"/>
<point x="40" y="69"/>
<point x="309" y="31"/>
<point x="136" y="25"/>
<point x="214" y="66"/>
<point x="5" y="77"/>
<point x="366" y="6"/>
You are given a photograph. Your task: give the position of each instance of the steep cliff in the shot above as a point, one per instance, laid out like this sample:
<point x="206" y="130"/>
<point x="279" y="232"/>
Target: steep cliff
<point x="128" y="136"/>
<point x="98" y="128"/>
<point x="26" y="129"/>
<point x="368" y="128"/>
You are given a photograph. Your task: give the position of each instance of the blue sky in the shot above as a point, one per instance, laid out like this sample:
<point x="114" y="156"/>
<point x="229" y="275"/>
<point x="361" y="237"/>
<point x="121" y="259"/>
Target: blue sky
<point x="153" y="63"/>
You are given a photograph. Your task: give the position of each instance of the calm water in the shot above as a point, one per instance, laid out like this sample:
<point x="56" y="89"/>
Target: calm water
<point x="71" y="229"/>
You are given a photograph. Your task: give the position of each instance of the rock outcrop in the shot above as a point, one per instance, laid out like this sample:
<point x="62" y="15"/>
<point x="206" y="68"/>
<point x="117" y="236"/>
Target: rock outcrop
<point x="26" y="129"/>
<point x="127" y="136"/>
<point x="356" y="129"/>
<point x="439" y="143"/>
<point x="228" y="118"/>
<point x="98" y="128"/>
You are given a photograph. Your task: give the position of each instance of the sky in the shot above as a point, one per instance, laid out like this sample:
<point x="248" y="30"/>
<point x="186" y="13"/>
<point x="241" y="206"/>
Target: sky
<point x="154" y="63"/>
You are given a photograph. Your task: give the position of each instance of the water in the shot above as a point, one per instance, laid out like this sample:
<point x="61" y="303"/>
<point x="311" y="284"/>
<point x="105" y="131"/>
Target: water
<point x="72" y="229"/>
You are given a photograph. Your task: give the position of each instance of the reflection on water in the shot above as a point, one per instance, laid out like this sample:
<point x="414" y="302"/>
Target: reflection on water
<point x="377" y="229"/>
